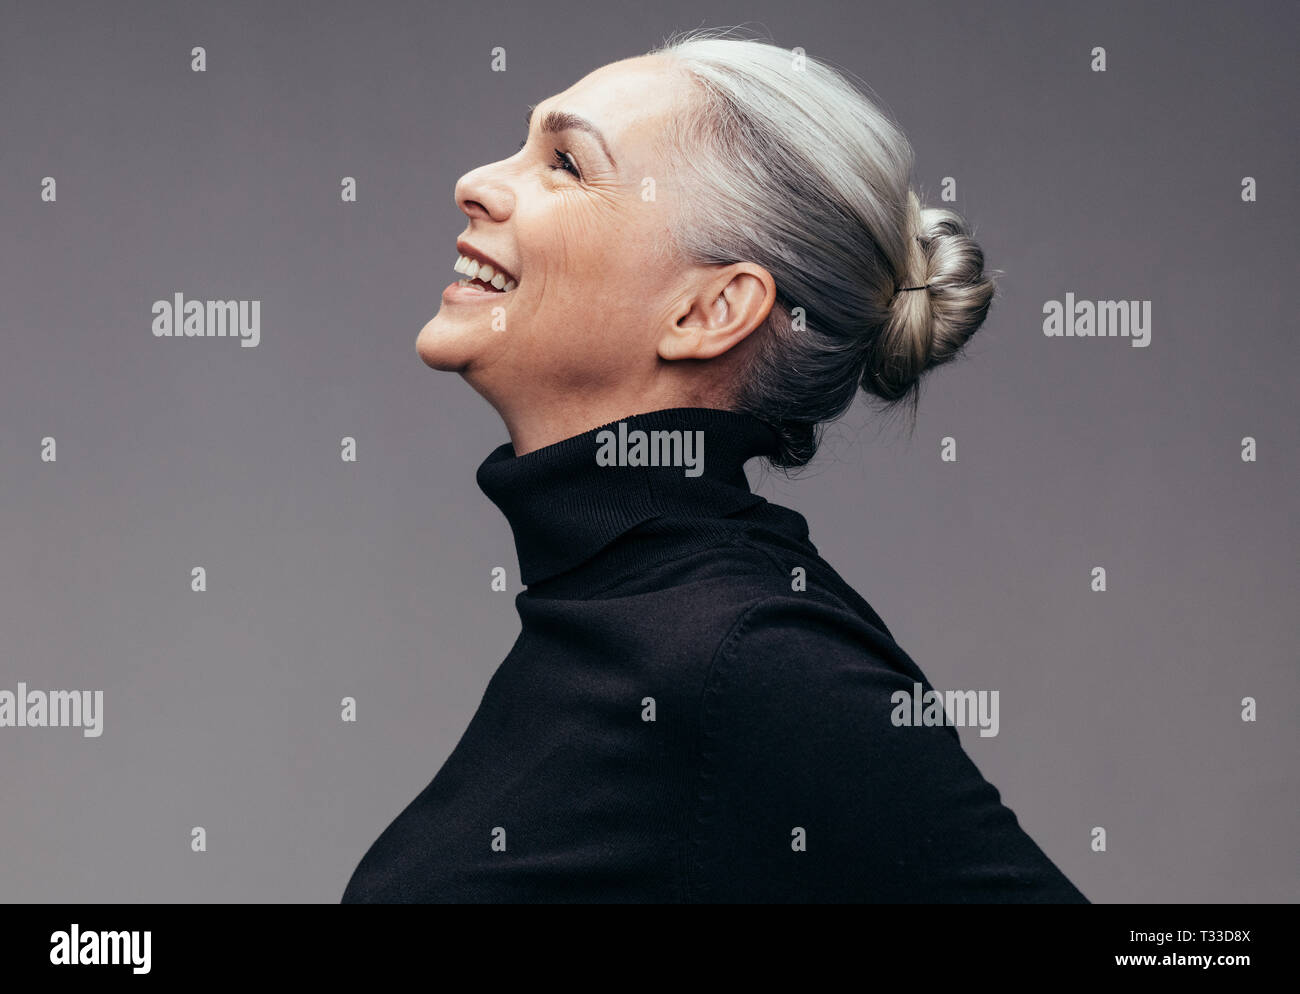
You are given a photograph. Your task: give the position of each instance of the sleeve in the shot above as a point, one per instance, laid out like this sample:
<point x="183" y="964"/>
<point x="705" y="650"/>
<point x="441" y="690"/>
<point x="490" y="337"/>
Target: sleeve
<point x="808" y="790"/>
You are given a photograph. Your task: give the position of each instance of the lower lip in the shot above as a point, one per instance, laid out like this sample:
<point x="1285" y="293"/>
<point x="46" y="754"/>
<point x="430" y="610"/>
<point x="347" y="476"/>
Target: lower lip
<point x="456" y="292"/>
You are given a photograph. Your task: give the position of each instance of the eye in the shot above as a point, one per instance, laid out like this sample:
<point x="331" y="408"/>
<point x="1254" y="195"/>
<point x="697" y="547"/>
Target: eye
<point x="563" y="160"/>
<point x="566" y="163"/>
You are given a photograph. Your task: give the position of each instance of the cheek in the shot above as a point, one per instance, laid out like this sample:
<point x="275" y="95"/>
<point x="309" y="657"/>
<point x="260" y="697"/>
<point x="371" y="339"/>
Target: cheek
<point x="583" y="239"/>
<point x="592" y="286"/>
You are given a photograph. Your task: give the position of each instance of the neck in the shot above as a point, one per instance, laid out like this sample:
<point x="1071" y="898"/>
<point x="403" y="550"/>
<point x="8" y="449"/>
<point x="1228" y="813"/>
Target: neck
<point x="535" y="422"/>
<point x="538" y="427"/>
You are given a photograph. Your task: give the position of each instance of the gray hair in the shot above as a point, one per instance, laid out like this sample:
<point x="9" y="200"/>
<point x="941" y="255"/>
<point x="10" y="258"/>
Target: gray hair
<point x="784" y="163"/>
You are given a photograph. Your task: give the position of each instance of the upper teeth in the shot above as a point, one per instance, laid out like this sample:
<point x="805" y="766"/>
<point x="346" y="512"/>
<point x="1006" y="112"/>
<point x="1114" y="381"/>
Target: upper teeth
<point x="481" y="270"/>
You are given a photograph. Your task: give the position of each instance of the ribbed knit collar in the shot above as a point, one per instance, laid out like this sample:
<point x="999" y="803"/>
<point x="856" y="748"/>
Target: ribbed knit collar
<point x="564" y="507"/>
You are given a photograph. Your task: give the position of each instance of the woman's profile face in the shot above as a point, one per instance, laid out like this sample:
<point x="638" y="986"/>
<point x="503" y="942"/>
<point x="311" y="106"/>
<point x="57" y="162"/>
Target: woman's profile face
<point x="577" y="217"/>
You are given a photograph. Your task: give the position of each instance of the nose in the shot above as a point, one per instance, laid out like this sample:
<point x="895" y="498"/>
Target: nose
<point x="484" y="193"/>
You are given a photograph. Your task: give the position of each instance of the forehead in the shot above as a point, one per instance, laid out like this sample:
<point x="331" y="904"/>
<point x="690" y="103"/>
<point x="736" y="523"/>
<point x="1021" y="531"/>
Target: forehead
<point x="629" y="101"/>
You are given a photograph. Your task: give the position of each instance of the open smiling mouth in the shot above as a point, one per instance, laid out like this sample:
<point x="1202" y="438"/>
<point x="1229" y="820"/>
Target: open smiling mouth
<point x="481" y="276"/>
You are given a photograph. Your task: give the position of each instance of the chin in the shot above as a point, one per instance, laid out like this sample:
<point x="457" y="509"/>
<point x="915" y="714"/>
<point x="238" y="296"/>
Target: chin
<point x="442" y="345"/>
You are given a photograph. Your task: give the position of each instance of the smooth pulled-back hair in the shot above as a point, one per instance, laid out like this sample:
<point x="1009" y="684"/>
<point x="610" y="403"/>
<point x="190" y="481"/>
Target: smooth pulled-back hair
<point x="783" y="162"/>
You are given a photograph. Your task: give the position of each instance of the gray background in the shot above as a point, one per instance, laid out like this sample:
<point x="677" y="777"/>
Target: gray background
<point x="327" y="579"/>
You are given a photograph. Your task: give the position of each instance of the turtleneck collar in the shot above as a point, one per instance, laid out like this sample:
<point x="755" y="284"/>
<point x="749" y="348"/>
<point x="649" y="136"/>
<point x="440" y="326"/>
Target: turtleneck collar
<point x="564" y="506"/>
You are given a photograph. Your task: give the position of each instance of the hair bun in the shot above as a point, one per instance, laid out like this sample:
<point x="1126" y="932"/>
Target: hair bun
<point x="929" y="327"/>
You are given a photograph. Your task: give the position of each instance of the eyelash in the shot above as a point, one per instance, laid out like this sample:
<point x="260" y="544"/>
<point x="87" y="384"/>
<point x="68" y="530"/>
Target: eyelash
<point x="565" y="161"/>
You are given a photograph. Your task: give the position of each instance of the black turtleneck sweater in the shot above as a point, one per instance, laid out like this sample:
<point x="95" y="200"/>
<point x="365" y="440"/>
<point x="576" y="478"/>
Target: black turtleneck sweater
<point x="683" y="720"/>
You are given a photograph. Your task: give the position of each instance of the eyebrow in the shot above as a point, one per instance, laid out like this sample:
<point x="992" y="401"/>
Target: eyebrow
<point x="562" y="120"/>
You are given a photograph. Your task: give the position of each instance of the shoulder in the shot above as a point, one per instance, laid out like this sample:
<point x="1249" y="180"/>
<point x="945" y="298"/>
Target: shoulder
<point x="803" y="692"/>
<point x="800" y="646"/>
<point x="801" y="697"/>
<point x="811" y="788"/>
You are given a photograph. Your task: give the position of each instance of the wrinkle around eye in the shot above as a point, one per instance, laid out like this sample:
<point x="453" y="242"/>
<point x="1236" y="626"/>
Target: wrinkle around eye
<point x="594" y="211"/>
<point x="603" y="185"/>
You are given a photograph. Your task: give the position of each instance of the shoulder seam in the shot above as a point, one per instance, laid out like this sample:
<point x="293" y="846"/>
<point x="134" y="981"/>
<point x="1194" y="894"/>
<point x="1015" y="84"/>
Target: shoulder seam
<point x="693" y="858"/>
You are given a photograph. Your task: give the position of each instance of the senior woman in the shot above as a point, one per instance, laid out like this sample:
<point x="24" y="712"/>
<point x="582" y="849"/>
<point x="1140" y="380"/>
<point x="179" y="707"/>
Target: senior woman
<point x="695" y="258"/>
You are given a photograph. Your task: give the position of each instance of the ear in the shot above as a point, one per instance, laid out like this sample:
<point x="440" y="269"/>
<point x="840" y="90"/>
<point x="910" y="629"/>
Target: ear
<point x="727" y="305"/>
